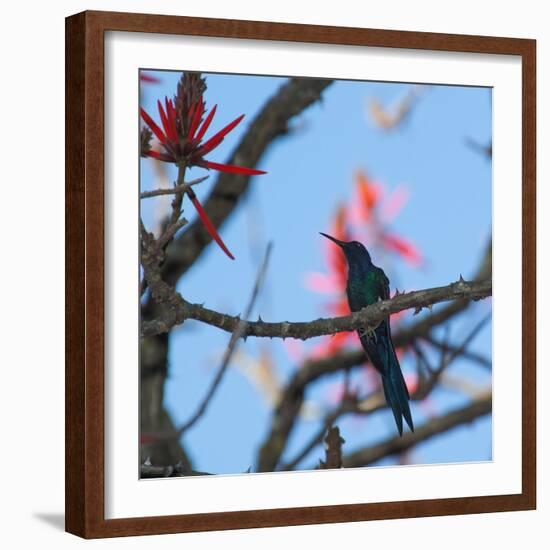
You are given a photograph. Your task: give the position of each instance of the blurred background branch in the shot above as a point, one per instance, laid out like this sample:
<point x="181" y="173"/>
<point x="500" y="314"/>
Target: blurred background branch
<point x="478" y="407"/>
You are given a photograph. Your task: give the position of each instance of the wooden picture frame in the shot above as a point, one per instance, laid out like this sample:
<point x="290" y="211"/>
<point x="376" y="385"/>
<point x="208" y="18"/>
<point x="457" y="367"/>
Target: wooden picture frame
<point x="85" y="263"/>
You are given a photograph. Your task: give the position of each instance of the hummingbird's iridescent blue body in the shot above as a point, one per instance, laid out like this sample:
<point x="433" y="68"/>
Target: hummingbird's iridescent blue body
<point x="366" y="285"/>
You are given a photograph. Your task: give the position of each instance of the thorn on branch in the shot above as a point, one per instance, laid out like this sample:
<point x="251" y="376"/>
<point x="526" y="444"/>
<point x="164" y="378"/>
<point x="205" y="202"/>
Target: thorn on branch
<point x="369" y="316"/>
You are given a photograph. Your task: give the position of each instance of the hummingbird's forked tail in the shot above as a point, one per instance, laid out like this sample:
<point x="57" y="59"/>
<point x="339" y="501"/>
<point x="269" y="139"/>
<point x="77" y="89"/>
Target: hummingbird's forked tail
<point x="397" y="395"/>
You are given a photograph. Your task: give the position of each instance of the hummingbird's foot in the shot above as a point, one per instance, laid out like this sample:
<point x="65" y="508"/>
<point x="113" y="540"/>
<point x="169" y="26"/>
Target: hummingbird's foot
<point x="369" y="333"/>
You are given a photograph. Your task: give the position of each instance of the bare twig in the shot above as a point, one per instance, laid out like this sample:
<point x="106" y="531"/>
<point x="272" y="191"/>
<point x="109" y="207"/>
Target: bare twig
<point x="169" y="233"/>
<point x="486" y="150"/>
<point x="235" y="337"/>
<point x="478" y="358"/>
<point x="447" y="357"/>
<point x="178" y="198"/>
<point x="174" y="190"/>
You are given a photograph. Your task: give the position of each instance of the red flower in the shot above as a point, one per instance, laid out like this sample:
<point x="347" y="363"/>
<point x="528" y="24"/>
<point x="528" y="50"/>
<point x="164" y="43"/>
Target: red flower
<point x="184" y="126"/>
<point x="183" y="129"/>
<point x="402" y="247"/>
<point x="371" y="212"/>
<point x="208" y="223"/>
<point x="368" y="195"/>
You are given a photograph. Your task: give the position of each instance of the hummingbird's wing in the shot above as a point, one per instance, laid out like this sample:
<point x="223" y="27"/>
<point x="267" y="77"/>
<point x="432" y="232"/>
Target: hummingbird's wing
<point x="383" y="285"/>
<point x="382" y="354"/>
<point x="378" y="343"/>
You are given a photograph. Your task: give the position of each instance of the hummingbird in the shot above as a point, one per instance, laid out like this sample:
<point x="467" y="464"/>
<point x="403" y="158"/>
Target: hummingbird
<point x="366" y="285"/>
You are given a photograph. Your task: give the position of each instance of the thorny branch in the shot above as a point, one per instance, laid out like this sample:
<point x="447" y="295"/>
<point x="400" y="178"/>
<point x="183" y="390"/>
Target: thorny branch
<point x="367" y="317"/>
<point x="151" y="256"/>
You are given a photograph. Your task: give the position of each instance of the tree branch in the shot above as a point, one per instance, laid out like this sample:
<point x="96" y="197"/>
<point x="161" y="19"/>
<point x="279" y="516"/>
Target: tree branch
<point x="172" y="191"/>
<point x="367" y="317"/>
<point x="478" y="358"/>
<point x="477" y="408"/>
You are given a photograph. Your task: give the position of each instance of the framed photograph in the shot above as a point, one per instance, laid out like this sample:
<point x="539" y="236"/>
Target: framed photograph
<point x="300" y="280"/>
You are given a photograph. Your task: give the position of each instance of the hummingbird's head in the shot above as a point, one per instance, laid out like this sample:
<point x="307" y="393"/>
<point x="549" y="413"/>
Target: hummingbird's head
<point x="355" y="252"/>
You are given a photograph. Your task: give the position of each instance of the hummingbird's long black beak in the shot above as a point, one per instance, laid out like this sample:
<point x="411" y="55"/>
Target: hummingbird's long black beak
<point x="339" y="243"/>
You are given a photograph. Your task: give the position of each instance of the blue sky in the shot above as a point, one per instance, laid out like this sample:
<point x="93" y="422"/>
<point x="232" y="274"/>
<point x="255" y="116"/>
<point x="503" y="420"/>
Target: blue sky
<point x="448" y="216"/>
